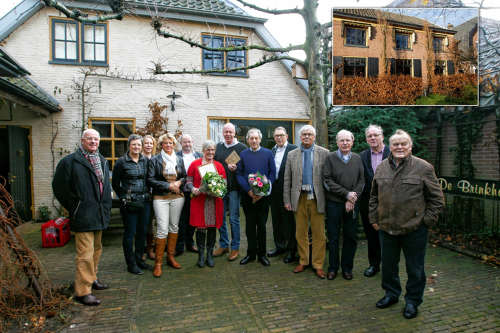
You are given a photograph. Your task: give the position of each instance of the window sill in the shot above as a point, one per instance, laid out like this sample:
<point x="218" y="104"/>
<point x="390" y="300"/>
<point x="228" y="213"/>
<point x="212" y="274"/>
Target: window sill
<point x="228" y="74"/>
<point x="61" y="62"/>
<point x="354" y="45"/>
<point x="402" y="49"/>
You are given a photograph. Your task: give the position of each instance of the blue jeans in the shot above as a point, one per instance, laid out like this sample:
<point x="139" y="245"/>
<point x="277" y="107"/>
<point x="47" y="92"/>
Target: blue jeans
<point x="413" y="245"/>
<point x="231" y="206"/>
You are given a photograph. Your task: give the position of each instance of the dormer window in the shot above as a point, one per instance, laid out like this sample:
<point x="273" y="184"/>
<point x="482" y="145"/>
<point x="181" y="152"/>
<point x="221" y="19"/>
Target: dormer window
<point x="355" y="36"/>
<point x="402" y="41"/>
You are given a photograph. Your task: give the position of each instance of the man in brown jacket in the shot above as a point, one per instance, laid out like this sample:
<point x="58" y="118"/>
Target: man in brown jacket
<point x="405" y="200"/>
<point x="303" y="194"/>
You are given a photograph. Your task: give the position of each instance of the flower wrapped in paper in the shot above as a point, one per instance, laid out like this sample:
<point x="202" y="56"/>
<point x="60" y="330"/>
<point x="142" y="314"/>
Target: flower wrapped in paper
<point x="213" y="184"/>
<point x="259" y="184"/>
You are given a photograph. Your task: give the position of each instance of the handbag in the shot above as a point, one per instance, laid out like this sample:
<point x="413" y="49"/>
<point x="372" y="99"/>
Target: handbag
<point x="134" y="203"/>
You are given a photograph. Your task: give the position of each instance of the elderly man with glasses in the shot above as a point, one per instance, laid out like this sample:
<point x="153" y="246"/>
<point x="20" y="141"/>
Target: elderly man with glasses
<point x="371" y="157"/>
<point x="303" y="194"/>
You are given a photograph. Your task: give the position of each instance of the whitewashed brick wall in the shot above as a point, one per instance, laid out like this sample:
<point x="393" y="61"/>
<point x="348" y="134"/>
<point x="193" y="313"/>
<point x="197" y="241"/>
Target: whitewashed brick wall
<point x="268" y="92"/>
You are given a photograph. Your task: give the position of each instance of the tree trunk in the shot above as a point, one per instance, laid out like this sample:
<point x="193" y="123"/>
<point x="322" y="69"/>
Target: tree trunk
<point x="315" y="74"/>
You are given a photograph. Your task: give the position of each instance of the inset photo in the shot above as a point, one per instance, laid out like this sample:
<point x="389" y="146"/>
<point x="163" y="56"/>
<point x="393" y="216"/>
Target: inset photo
<point x="405" y="56"/>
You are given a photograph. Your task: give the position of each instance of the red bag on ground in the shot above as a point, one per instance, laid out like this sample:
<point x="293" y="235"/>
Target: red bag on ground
<point x="55" y="233"/>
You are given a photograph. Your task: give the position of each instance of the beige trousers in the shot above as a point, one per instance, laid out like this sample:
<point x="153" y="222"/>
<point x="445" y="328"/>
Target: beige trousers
<point x="88" y="252"/>
<point x="307" y="213"/>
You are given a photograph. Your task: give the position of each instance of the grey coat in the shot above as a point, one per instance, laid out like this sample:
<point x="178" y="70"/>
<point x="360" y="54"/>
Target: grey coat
<point x="293" y="178"/>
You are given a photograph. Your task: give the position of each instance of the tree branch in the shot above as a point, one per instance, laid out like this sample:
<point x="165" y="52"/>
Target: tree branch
<point x="263" y="61"/>
<point x="192" y="43"/>
<point x="81" y="17"/>
<point x="272" y="11"/>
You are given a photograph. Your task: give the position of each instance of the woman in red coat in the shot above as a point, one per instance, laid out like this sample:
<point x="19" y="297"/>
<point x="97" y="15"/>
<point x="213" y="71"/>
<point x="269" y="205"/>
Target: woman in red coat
<point x="206" y="212"/>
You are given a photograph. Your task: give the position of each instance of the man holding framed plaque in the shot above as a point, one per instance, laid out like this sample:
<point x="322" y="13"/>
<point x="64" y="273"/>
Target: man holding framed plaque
<point x="227" y="153"/>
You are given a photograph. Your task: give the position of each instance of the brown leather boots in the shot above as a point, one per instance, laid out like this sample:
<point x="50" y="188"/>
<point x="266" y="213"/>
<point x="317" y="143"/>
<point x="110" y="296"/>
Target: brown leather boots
<point x="170" y="242"/>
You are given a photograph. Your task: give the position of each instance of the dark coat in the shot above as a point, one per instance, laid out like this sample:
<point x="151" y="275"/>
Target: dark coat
<point x="76" y="187"/>
<point x="196" y="156"/>
<point x="130" y="176"/>
<point x="366" y="157"/>
<point x="278" y="182"/>
<point x="404" y="197"/>
<point x="155" y="177"/>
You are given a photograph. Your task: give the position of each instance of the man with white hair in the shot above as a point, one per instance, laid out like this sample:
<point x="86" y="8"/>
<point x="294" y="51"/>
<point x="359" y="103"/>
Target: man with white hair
<point x="344" y="179"/>
<point x="371" y="157"/>
<point x="406" y="199"/>
<point x="255" y="159"/>
<point x="186" y="231"/>
<point x="81" y="184"/>
<point x="224" y="151"/>
<point x="303" y="194"/>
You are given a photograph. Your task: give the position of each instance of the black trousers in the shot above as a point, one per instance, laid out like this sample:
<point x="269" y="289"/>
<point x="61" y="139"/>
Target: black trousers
<point x="186" y="231"/>
<point x="256" y="218"/>
<point x="371" y="234"/>
<point x="283" y="224"/>
<point x="413" y="245"/>
<point x="337" y="217"/>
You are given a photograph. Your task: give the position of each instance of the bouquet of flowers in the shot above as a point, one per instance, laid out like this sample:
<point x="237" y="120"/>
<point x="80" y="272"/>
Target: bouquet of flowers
<point x="259" y="184"/>
<point x="213" y="184"/>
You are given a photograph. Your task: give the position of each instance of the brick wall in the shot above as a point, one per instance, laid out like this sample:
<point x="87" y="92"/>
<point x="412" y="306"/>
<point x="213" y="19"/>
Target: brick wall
<point x="375" y="46"/>
<point x="485" y="155"/>
<point x="268" y="92"/>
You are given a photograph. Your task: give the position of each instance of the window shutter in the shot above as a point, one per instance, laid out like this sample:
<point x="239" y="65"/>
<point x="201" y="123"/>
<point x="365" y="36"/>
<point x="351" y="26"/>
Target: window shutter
<point x="372" y="67"/>
<point x="342" y="32"/>
<point x="373" y="32"/>
<point x="417" y="68"/>
<point x="451" y="67"/>
<point x="394" y="35"/>
<point x="338" y="61"/>
<point x="393" y="66"/>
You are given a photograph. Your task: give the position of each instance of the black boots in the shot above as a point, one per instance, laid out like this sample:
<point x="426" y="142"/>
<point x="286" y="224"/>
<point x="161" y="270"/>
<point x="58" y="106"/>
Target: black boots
<point x="205" y="235"/>
<point x="210" y="246"/>
<point x="201" y="235"/>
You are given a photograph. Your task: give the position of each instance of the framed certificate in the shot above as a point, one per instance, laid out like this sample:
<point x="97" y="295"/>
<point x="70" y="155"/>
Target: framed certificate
<point x="203" y="169"/>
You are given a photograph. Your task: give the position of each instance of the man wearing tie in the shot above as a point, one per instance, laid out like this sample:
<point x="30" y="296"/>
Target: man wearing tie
<point x="283" y="220"/>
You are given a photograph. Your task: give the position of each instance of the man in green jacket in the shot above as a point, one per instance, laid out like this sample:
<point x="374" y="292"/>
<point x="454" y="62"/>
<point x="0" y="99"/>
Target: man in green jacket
<point x="405" y="200"/>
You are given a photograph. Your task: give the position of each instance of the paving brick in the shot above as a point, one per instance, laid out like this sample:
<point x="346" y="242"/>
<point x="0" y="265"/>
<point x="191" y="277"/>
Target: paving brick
<point x="253" y="298"/>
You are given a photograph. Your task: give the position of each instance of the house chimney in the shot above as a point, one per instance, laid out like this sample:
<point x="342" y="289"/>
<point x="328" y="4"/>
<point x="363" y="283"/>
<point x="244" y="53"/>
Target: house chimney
<point x="450" y="26"/>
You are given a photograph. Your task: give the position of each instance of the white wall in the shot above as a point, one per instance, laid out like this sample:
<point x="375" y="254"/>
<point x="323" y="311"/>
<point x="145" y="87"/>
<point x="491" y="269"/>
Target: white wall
<point x="268" y="92"/>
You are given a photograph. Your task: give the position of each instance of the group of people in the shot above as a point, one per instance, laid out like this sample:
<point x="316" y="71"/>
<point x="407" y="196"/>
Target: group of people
<point x="396" y="194"/>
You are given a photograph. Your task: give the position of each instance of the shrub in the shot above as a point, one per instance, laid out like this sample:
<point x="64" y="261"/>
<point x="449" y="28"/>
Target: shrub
<point x="383" y="90"/>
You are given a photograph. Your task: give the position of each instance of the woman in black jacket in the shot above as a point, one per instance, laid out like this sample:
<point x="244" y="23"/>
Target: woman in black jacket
<point x="166" y="176"/>
<point x="129" y="183"/>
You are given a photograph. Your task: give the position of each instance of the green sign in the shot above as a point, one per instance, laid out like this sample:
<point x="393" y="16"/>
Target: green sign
<point x="486" y="189"/>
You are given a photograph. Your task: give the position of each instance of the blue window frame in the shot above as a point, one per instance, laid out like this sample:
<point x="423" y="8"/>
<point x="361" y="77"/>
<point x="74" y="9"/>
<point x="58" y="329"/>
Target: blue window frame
<point x="355" y="36"/>
<point x="65" y="41"/>
<point x="217" y="60"/>
<point x="402" y="41"/>
<point x="78" y="44"/>
<point x="94" y="43"/>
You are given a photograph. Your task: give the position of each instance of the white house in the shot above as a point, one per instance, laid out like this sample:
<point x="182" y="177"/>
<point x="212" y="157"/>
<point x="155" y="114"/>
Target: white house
<point x="58" y="51"/>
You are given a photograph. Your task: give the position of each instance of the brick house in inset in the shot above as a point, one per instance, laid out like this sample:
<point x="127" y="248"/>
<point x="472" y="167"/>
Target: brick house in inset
<point x="371" y="43"/>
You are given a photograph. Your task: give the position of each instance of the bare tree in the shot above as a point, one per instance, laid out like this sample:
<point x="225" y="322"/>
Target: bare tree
<point x="315" y="65"/>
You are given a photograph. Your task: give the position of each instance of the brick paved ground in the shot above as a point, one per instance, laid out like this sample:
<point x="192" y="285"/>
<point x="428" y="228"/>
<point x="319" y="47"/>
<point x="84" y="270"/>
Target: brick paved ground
<point x="462" y="295"/>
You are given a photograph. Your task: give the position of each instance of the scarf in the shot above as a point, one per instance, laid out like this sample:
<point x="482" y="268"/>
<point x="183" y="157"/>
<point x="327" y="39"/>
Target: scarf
<point x="169" y="163"/>
<point x="95" y="161"/>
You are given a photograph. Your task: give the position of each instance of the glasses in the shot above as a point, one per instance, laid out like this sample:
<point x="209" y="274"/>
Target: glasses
<point x="307" y="134"/>
<point x="279" y="135"/>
